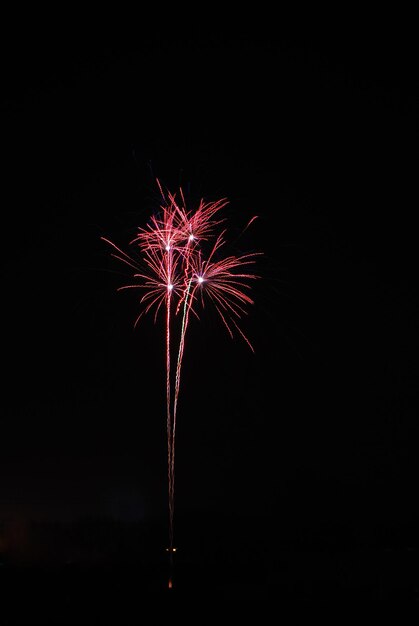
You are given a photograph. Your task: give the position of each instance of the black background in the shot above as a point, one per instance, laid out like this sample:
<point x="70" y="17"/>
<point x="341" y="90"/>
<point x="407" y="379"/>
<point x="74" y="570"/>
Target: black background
<point x="310" y="441"/>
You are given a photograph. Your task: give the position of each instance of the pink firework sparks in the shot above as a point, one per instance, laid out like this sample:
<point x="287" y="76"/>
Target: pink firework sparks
<point x="177" y="273"/>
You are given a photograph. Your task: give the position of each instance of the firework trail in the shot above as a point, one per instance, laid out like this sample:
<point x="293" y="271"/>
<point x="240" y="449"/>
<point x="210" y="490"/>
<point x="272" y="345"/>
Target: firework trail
<point x="178" y="275"/>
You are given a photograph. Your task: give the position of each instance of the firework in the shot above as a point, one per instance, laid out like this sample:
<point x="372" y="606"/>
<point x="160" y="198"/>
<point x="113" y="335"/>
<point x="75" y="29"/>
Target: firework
<point x="182" y="268"/>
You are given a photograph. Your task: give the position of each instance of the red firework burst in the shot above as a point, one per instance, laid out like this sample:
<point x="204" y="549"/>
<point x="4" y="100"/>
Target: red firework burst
<point x="176" y="273"/>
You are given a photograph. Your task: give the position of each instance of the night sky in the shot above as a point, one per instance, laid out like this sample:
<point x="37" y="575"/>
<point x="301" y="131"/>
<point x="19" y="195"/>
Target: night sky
<point x="316" y="136"/>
